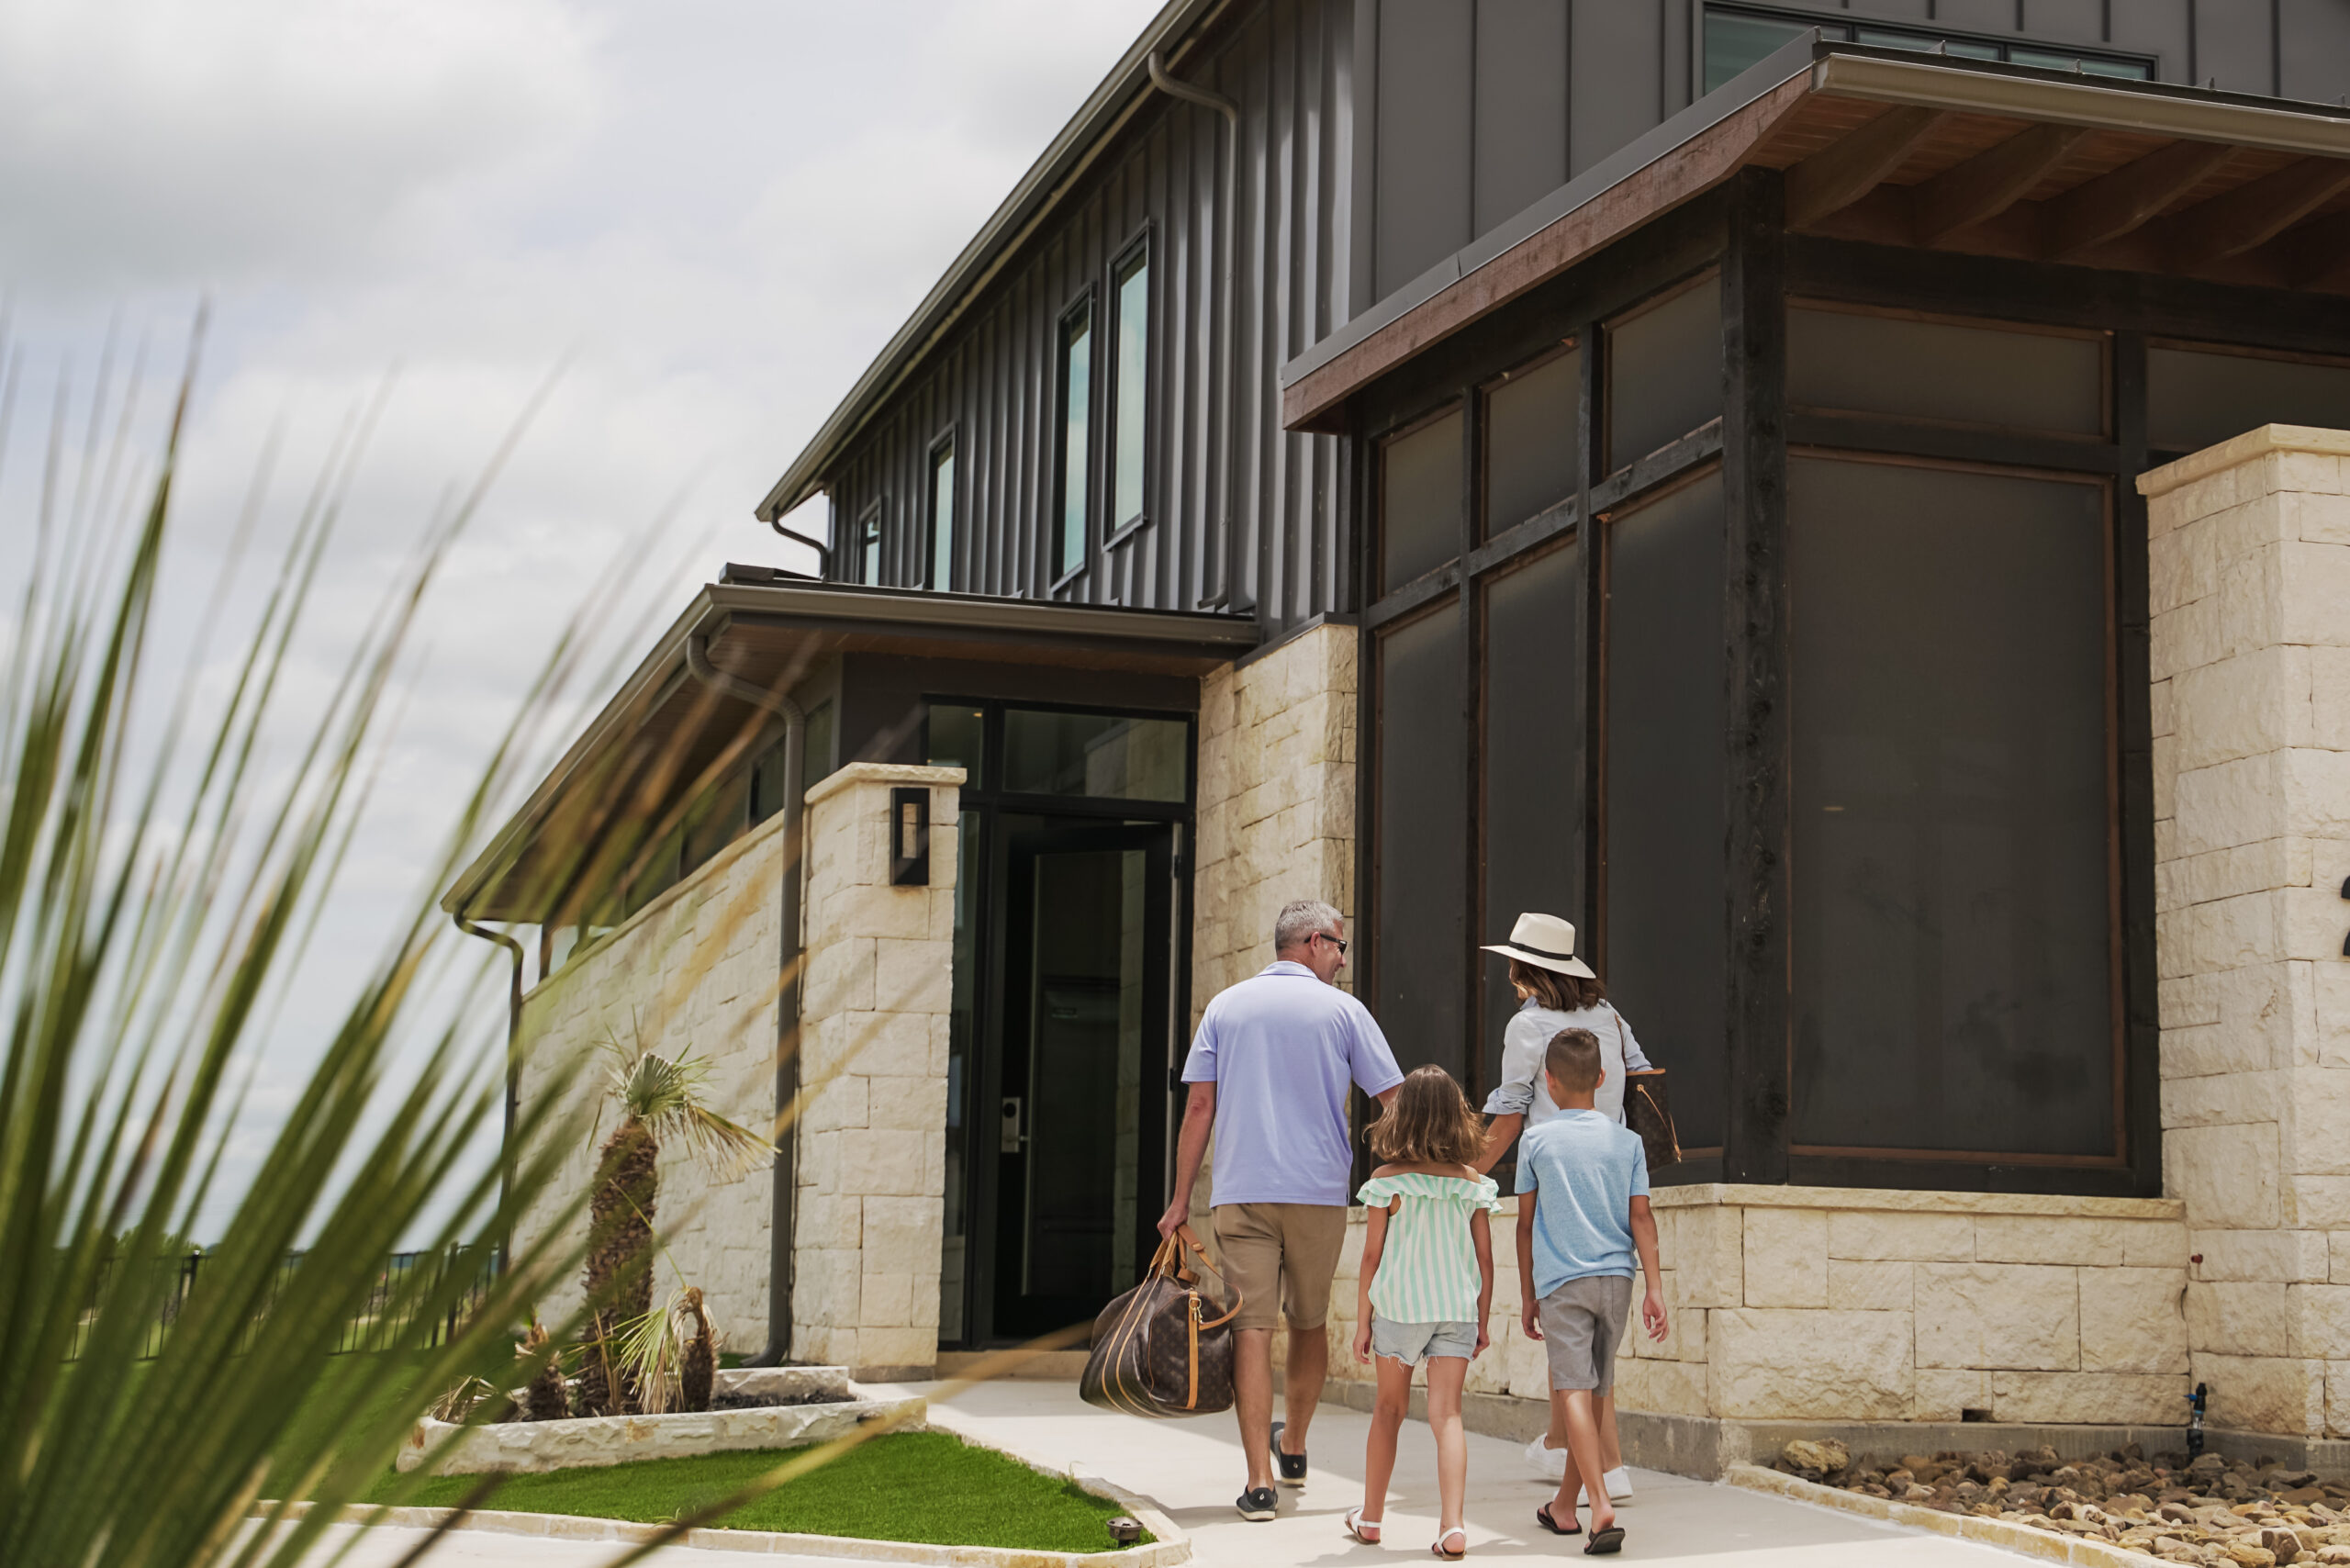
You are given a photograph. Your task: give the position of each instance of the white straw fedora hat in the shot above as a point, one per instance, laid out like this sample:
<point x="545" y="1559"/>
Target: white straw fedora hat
<point x="1545" y="941"/>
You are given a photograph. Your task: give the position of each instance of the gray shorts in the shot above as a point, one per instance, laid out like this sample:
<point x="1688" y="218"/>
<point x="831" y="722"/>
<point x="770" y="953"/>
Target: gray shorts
<point x="1412" y="1343"/>
<point x="1583" y="1324"/>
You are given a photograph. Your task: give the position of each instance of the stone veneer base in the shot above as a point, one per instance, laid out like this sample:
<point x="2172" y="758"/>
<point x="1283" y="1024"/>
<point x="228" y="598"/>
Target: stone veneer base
<point x="1707" y="1449"/>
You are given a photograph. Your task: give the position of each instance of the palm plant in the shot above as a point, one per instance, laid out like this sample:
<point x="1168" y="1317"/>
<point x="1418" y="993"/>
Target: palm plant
<point x="658" y="1098"/>
<point x="158" y="885"/>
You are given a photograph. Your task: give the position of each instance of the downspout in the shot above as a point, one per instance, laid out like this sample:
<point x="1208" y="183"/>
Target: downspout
<point x="823" y="557"/>
<point x="781" y="1260"/>
<point x="513" y="1074"/>
<point x="1230" y="205"/>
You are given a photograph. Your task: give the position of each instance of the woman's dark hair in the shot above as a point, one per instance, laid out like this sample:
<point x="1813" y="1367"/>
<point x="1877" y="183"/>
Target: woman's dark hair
<point x="1561" y="993"/>
<point x="1431" y="1123"/>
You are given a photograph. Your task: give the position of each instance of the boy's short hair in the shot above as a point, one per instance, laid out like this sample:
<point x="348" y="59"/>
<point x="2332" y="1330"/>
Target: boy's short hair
<point x="1573" y="1059"/>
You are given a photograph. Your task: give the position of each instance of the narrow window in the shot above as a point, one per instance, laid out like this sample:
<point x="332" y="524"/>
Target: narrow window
<point x="1077" y="436"/>
<point x="942" y="515"/>
<point x="1130" y="391"/>
<point x="868" y="545"/>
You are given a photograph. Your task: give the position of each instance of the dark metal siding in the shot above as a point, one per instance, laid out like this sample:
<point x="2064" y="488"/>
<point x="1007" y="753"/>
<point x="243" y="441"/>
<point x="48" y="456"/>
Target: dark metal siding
<point x="1484" y="107"/>
<point x="1378" y="137"/>
<point x="995" y="379"/>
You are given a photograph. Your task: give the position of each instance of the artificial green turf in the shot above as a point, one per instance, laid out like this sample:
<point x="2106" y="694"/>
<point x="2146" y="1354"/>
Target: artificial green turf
<point x="924" y="1486"/>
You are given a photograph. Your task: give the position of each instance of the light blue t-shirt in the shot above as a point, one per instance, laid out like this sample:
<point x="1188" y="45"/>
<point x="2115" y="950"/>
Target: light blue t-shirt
<point x="1280" y="1048"/>
<point x="1584" y="1171"/>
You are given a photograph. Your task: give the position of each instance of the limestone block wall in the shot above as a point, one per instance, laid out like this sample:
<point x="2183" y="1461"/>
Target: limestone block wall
<point x="1275" y="801"/>
<point x="2249" y="546"/>
<point x="694" y="972"/>
<point x="1847" y="1304"/>
<point x="872" y="1175"/>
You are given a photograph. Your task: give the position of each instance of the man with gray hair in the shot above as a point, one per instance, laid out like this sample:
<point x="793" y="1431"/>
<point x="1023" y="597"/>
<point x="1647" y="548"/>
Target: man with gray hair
<point x="1268" y="1070"/>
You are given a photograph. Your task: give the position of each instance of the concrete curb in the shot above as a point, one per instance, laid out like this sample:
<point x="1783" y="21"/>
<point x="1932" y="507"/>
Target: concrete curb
<point x="2027" y="1539"/>
<point x="566" y="1527"/>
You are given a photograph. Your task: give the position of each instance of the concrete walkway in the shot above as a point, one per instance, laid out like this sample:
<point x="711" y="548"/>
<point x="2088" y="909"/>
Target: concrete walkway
<point x="1193" y="1469"/>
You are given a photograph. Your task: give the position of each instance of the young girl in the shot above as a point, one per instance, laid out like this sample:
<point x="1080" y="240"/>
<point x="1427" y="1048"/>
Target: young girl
<point x="1428" y="1284"/>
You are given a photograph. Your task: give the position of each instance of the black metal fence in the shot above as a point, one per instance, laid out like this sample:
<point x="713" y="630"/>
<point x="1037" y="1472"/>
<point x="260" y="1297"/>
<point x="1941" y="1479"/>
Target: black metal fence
<point x="409" y="1306"/>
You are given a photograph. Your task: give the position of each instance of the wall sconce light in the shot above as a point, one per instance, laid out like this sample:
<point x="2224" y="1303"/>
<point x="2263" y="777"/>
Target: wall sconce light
<point x="910" y="838"/>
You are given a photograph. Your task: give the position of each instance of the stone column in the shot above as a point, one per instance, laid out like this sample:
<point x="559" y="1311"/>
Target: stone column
<point x="872" y="1179"/>
<point x="2250" y="580"/>
<point x="1275" y="801"/>
<point x="1276" y="811"/>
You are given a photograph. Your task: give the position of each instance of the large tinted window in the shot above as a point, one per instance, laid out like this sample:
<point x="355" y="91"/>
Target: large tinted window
<point x="1533" y="772"/>
<point x="1945" y="371"/>
<point x="1953" y="973"/>
<point x="1094" y="754"/>
<point x="1532" y="449"/>
<point x="1423" y="835"/>
<point x="2196" y="399"/>
<point x="1419" y="510"/>
<point x="1665" y="932"/>
<point x="1664" y="372"/>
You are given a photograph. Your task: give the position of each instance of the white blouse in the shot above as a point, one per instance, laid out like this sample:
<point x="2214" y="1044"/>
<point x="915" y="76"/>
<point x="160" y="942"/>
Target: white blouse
<point x="1526" y="1040"/>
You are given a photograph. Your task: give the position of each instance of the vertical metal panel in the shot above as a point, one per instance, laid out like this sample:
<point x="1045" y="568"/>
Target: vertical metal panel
<point x="2236" y="45"/>
<point x="1521" y="119"/>
<point x="1614" y="46"/>
<point x="2069" y="21"/>
<point x="2160" y="28"/>
<point x="994" y="378"/>
<point x="1423" y="145"/>
<point x="2314" y="52"/>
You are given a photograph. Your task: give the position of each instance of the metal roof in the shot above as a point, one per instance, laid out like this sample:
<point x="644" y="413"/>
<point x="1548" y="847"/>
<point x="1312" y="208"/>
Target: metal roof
<point x="771" y="634"/>
<point x="1040" y="190"/>
<point x="1897" y="147"/>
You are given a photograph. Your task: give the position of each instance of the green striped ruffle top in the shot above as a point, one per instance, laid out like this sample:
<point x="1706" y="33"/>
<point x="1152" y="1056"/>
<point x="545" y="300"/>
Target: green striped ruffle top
<point x="1427" y="1264"/>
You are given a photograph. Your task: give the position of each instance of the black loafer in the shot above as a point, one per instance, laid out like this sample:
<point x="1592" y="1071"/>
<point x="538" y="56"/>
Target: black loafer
<point x="1288" y="1467"/>
<point x="1257" y="1505"/>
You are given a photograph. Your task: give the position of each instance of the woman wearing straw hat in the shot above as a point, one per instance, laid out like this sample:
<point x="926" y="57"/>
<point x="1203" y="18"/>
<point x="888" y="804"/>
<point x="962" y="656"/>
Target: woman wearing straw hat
<point x="1556" y="991"/>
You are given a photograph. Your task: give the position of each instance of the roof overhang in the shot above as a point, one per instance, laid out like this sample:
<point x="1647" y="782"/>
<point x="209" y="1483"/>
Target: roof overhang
<point x="1892" y="148"/>
<point x="773" y="636"/>
<point x="1172" y="33"/>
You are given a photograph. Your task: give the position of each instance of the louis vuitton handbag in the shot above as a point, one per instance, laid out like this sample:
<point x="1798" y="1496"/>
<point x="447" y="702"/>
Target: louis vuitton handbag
<point x="1163" y="1349"/>
<point x="1648" y="1110"/>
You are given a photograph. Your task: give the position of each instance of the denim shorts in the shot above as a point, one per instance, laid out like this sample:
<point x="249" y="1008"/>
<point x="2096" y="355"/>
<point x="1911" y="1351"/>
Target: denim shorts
<point x="1412" y="1343"/>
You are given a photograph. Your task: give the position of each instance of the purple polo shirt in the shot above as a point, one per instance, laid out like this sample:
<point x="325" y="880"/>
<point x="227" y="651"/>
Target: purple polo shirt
<point x="1280" y="1048"/>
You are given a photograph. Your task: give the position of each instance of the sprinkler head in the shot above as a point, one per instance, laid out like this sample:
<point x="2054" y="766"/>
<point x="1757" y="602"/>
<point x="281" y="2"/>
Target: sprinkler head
<point x="1125" y="1531"/>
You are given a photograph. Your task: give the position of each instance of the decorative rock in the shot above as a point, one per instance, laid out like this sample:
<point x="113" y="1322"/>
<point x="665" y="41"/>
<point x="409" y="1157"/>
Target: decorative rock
<point x="1826" y="1456"/>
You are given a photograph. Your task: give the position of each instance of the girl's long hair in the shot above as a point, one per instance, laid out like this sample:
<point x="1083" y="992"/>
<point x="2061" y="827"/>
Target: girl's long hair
<point x="1559" y="994"/>
<point x="1431" y="1124"/>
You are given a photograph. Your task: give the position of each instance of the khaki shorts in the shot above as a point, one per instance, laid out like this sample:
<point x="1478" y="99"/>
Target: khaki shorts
<point x="1279" y="1257"/>
<point x="1583" y="1324"/>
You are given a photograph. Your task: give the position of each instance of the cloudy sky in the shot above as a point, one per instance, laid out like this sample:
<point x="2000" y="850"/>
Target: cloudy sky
<point x="710" y="213"/>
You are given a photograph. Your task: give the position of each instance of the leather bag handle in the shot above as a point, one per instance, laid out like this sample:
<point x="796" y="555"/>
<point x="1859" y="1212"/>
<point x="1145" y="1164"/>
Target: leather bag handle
<point x="1170" y="1260"/>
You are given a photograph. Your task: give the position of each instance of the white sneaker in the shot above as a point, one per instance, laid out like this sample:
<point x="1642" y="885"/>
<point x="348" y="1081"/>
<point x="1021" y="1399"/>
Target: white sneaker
<point x="1551" y="1465"/>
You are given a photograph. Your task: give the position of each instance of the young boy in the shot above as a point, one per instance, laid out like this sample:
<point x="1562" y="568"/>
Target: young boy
<point x="1583" y="1210"/>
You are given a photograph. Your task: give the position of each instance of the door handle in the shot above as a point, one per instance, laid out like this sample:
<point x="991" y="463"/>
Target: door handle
<point x="1012" y="1138"/>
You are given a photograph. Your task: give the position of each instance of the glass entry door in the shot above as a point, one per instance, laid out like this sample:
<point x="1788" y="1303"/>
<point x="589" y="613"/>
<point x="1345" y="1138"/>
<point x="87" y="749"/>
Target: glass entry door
<point x="1079" y="1092"/>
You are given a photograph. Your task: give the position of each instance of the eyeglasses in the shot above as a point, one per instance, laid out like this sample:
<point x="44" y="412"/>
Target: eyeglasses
<point x="1338" y="942"/>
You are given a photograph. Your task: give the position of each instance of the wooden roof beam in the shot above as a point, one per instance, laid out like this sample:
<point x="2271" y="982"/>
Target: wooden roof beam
<point x="2115" y="204"/>
<point x="1835" y="177"/>
<point x="1989" y="183"/>
<point x="2256" y="212"/>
